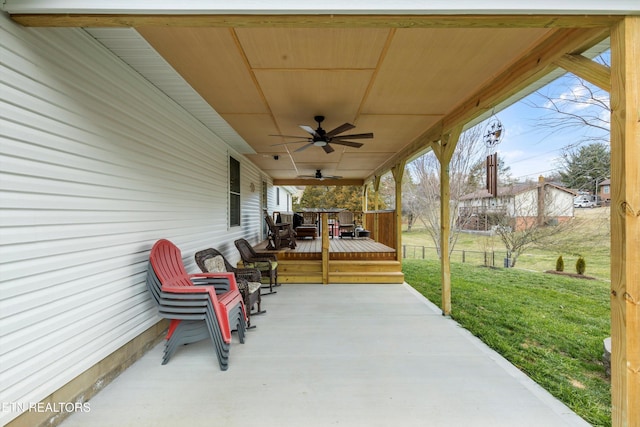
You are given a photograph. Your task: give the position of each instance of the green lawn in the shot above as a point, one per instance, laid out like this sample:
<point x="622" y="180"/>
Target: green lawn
<point x="590" y="238"/>
<point x="550" y="327"/>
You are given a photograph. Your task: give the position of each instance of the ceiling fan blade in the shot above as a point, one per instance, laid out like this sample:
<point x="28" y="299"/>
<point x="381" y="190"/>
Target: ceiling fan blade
<point x="342" y="128"/>
<point x="354" y="136"/>
<point x="328" y="148"/>
<point x="348" y="143"/>
<point x="309" y="129"/>
<point x="304" y="147"/>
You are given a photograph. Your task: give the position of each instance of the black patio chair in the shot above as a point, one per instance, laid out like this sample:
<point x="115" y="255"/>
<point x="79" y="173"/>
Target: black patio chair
<point x="248" y="279"/>
<point x="346" y="224"/>
<point x="280" y="234"/>
<point x="266" y="263"/>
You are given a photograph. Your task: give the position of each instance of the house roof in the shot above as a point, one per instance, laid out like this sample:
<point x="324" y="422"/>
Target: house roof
<point x="408" y="73"/>
<point x="512" y="190"/>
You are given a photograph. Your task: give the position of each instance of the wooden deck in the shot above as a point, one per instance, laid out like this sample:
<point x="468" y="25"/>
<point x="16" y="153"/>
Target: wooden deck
<point x="339" y="249"/>
<point x="360" y="260"/>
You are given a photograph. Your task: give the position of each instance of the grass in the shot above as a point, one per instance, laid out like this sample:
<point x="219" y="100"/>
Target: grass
<point x="551" y="327"/>
<point x="588" y="237"/>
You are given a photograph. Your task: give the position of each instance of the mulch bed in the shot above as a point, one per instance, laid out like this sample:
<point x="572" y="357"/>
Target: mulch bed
<point x="575" y="275"/>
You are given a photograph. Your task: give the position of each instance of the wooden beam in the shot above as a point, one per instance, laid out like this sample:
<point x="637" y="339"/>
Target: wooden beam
<point x="625" y="223"/>
<point x="376" y="205"/>
<point x="531" y="67"/>
<point x="443" y="150"/>
<point x="420" y="144"/>
<point x="317" y="182"/>
<point x="313" y="21"/>
<point x="398" y="174"/>
<point x="587" y="69"/>
<point x="376" y="183"/>
<point x="365" y="201"/>
<point x="324" y="219"/>
<point x="446" y="145"/>
<point x="376" y="188"/>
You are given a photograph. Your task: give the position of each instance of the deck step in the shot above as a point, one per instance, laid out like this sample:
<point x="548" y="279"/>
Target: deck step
<point x="299" y="267"/>
<point x="341" y="271"/>
<point x="299" y="271"/>
<point x="362" y="266"/>
<point x="365" y="272"/>
<point x="379" y="277"/>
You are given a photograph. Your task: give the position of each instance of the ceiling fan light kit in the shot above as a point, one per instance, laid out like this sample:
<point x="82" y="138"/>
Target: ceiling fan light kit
<point x="319" y="175"/>
<point x="321" y="138"/>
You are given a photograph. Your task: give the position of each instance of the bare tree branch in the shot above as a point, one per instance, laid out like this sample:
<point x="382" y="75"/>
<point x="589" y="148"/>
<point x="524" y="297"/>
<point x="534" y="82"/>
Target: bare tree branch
<point x="581" y="107"/>
<point x="425" y="193"/>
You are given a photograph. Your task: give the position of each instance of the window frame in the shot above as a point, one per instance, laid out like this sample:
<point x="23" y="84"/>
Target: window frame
<point x="235" y="196"/>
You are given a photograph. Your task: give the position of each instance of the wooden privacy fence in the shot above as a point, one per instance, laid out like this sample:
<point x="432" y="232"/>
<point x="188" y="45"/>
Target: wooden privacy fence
<point x="382" y="225"/>
<point x="488" y="258"/>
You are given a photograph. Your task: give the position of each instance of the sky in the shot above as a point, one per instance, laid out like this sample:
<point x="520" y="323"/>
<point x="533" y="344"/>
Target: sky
<point x="527" y="149"/>
<point x="531" y="149"/>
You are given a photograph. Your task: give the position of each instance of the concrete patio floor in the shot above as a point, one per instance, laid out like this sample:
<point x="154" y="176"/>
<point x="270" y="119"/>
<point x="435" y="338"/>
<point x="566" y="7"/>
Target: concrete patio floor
<point x="350" y="355"/>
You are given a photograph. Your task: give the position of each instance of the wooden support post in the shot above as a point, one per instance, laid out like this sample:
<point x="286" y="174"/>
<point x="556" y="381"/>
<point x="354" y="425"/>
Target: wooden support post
<point x="324" y="219"/>
<point x="625" y="223"/>
<point x="398" y="173"/>
<point x="444" y="151"/>
<point x="365" y="197"/>
<point x="376" y="188"/>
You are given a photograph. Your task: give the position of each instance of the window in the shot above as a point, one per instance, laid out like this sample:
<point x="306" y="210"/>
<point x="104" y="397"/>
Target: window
<point x="234" y="192"/>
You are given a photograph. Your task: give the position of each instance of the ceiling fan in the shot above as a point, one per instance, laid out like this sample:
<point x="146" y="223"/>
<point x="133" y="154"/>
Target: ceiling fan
<point x="321" y="138"/>
<point x="319" y="176"/>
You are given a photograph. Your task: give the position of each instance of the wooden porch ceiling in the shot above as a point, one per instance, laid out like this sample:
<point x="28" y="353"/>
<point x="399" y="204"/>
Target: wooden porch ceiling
<point x="406" y="78"/>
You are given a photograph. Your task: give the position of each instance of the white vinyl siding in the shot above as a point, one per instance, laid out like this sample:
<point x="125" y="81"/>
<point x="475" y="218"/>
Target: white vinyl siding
<point x="279" y="199"/>
<point x="96" y="165"/>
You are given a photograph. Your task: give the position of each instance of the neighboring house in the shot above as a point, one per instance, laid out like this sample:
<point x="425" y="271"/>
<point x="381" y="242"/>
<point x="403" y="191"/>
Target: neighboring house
<point x="522" y="204"/>
<point x="605" y="192"/>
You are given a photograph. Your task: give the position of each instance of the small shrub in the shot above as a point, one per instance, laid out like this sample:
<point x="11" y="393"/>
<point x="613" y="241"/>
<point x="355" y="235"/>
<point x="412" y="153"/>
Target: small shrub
<point x="581" y="266"/>
<point x="560" y="264"/>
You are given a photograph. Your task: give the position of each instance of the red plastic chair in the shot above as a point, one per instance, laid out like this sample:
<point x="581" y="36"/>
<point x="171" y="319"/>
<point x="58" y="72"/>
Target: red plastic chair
<point x="224" y="299"/>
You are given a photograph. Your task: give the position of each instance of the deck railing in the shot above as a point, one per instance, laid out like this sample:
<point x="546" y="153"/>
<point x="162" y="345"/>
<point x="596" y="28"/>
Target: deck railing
<point x="382" y="225"/>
